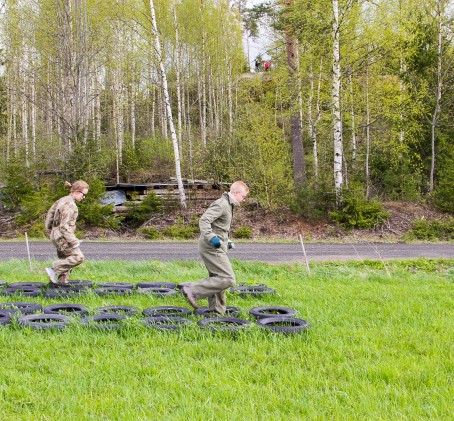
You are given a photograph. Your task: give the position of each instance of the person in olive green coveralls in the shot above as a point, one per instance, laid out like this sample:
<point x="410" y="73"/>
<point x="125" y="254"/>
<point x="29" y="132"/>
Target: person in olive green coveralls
<point x="60" y="227"/>
<point x="213" y="244"/>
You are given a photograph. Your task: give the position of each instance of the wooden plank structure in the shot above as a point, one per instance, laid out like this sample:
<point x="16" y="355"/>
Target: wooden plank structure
<point x="196" y="191"/>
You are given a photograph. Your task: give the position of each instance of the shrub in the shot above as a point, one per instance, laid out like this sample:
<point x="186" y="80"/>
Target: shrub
<point x="151" y="233"/>
<point x="182" y="231"/>
<point x="357" y="212"/>
<point x="92" y="213"/>
<point x="434" y="230"/>
<point x="444" y="191"/>
<point x="313" y="202"/>
<point x="243" y="232"/>
<point x="142" y="211"/>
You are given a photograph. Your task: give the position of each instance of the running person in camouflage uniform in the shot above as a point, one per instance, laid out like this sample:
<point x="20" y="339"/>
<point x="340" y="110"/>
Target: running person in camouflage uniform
<point x="213" y="244"/>
<point x="60" y="227"/>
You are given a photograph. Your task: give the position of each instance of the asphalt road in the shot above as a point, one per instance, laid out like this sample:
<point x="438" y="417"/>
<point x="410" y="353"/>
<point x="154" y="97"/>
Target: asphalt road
<point x="263" y="252"/>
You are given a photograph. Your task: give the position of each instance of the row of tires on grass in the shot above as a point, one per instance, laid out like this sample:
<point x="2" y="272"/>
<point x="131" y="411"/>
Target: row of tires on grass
<point x="58" y="316"/>
<point x="79" y="287"/>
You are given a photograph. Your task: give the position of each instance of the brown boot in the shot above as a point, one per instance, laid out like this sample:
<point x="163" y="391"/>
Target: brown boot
<point x="187" y="292"/>
<point x="63" y="279"/>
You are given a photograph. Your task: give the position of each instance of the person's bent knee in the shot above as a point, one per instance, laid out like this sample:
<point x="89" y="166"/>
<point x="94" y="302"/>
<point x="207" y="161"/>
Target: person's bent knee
<point x="80" y="259"/>
<point x="230" y="282"/>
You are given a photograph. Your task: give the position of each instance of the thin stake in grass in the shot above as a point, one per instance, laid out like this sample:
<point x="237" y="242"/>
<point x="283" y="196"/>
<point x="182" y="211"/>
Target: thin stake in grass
<point x="305" y="255"/>
<point x="28" y="252"/>
<point x="374" y="247"/>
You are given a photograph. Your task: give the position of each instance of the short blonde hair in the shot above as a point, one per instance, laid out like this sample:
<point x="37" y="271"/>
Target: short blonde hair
<point x="78" y="185"/>
<point x="239" y="186"/>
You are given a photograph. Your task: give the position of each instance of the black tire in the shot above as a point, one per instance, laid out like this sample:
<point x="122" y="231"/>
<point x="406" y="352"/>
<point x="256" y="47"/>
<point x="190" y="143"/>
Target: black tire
<point x="182" y="284"/>
<point x="74" y="285"/>
<point x="104" y="321"/>
<point x="79" y="282"/>
<point x="26" y="292"/>
<point x="285" y="325"/>
<point x="223" y="323"/>
<point x="230" y="311"/>
<point x="44" y="321"/>
<point x="113" y="291"/>
<point x="63" y="292"/>
<point x="157" y="292"/>
<point x="20" y="308"/>
<point x="5" y="317"/>
<point x="125" y="310"/>
<point x="246" y="291"/>
<point x="166" y="311"/>
<point x="166" y="322"/>
<point x="22" y="285"/>
<point x="171" y="285"/>
<point x="124" y="285"/>
<point x="67" y="309"/>
<point x="272" y="311"/>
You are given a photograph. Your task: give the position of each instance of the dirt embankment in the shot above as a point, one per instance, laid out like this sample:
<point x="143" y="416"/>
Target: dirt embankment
<point x="280" y="224"/>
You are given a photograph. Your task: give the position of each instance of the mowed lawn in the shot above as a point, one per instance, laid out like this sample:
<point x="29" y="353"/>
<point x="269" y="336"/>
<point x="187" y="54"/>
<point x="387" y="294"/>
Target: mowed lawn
<point x="380" y="347"/>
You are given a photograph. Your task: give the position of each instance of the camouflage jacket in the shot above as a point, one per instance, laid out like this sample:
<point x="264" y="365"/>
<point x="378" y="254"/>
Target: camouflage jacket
<point x="217" y="218"/>
<point x="61" y="222"/>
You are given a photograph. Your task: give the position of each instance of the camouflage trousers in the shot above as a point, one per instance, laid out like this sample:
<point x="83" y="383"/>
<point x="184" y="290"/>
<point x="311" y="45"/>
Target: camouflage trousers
<point x="220" y="276"/>
<point x="68" y="259"/>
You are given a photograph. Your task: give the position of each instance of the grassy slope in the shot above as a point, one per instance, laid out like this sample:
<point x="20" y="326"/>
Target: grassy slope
<point x="379" y="347"/>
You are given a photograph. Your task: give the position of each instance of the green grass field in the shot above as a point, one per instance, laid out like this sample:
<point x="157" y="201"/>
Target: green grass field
<point x="380" y="347"/>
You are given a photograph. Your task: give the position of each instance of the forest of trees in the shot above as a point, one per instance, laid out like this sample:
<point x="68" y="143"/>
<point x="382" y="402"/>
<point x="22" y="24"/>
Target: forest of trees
<point x="359" y="100"/>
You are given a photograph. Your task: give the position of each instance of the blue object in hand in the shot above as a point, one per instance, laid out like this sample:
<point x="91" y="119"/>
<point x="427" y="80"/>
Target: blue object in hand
<point x="215" y="242"/>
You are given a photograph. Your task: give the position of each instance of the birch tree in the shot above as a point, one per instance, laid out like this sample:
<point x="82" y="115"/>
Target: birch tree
<point x="168" y="107"/>
<point x="336" y="105"/>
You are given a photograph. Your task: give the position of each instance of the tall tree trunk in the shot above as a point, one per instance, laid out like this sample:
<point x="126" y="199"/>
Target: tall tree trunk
<point x="133" y="115"/>
<point x="203" y="80"/>
<point x="25" y="138"/>
<point x="178" y="77"/>
<point x="437" y="108"/>
<point x="295" y="121"/>
<point x="169" y="109"/>
<point x="353" y="122"/>
<point x="313" y="120"/>
<point x="367" y="131"/>
<point x="335" y="94"/>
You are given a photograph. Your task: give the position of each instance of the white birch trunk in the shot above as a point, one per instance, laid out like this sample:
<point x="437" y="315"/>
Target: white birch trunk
<point x="25" y="138"/>
<point x="168" y="108"/>
<point x="437" y="108"/>
<point x="202" y="80"/>
<point x="367" y="132"/>
<point x="178" y="76"/>
<point x="335" y="93"/>
<point x="353" y="122"/>
<point x="133" y="116"/>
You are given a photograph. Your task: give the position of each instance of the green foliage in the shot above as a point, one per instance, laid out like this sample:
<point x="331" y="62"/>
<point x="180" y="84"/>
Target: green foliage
<point x="313" y="202"/>
<point x="142" y="211"/>
<point x="244" y="231"/>
<point x="434" y="230"/>
<point x="357" y="212"/>
<point x="151" y="233"/>
<point x="444" y="191"/>
<point x="88" y="161"/>
<point x="19" y="186"/>
<point x="92" y="212"/>
<point x="182" y="231"/>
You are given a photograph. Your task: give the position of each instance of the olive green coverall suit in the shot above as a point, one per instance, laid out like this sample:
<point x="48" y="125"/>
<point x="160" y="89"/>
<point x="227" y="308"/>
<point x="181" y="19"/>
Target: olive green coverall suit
<point x="60" y="227"/>
<point x="216" y="221"/>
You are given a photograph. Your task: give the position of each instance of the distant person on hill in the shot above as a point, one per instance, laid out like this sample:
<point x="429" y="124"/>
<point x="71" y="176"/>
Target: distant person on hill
<point x="60" y="227"/>
<point x="213" y="244"/>
<point x="267" y="65"/>
<point x="258" y="63"/>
